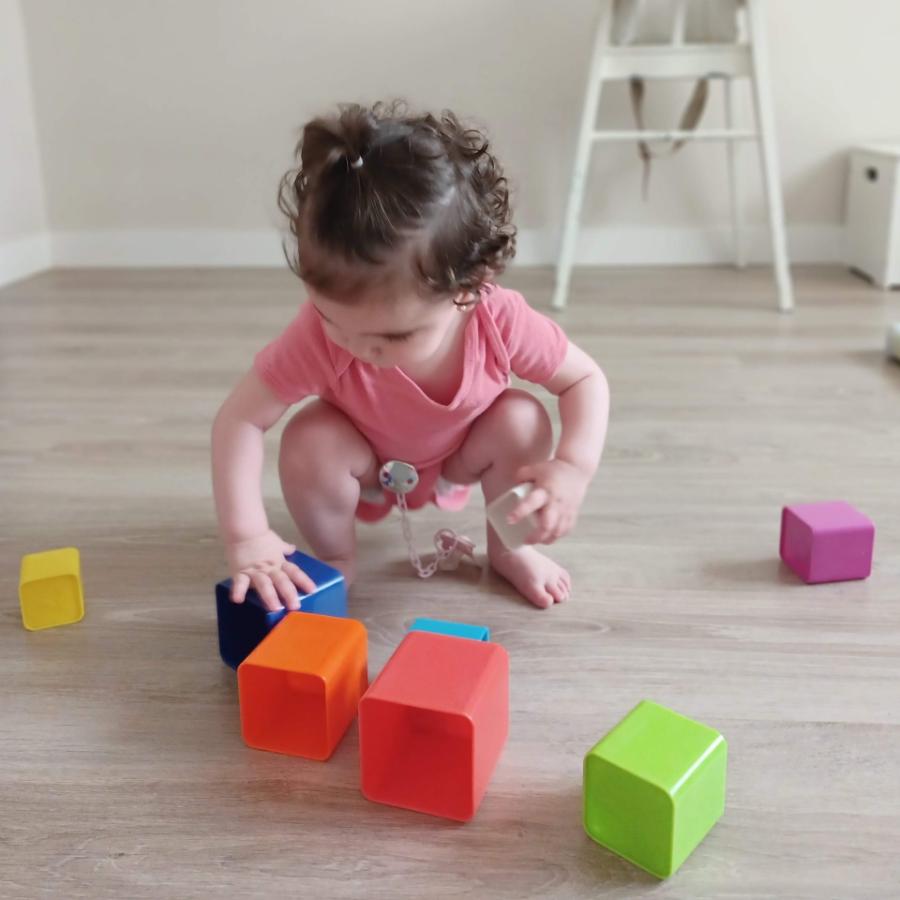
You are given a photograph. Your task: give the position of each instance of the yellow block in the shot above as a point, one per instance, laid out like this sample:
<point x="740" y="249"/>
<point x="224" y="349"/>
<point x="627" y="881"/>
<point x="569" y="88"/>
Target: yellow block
<point x="50" y="590"/>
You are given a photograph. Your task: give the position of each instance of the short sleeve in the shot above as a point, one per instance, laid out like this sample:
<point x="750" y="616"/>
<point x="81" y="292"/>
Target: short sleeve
<point x="534" y="343"/>
<point x="297" y="363"/>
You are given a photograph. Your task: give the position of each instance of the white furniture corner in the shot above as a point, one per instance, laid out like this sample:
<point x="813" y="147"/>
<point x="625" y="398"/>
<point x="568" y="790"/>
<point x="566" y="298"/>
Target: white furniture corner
<point x="873" y="213"/>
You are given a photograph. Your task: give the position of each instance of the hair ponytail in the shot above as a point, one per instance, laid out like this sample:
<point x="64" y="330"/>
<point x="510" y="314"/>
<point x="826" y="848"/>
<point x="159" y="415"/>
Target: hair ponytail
<point x="373" y="181"/>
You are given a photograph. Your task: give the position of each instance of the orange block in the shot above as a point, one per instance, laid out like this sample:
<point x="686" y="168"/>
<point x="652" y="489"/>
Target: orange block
<point x="300" y="688"/>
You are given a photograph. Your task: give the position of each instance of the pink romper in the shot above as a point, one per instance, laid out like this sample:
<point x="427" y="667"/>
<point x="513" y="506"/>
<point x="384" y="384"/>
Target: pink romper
<point x="503" y="336"/>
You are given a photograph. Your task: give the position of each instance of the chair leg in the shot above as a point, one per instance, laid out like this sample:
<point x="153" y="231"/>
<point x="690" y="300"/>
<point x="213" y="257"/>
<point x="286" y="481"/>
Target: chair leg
<point x="735" y="193"/>
<point x="582" y="158"/>
<point x="765" y="119"/>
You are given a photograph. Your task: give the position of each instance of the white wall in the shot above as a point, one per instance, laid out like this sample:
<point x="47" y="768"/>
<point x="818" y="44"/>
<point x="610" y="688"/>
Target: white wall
<point x="24" y="246"/>
<point x="165" y="125"/>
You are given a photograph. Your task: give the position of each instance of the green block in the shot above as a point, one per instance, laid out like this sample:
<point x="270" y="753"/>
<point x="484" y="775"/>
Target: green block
<point x="654" y="786"/>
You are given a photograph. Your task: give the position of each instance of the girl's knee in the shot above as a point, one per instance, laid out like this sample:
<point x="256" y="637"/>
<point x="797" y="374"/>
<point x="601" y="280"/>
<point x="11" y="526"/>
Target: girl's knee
<point x="320" y="439"/>
<point x="515" y="429"/>
<point x="522" y="418"/>
<point x="310" y="437"/>
<point x="316" y="418"/>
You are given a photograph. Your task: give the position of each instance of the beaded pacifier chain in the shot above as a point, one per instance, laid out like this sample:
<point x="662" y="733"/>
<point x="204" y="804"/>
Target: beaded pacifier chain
<point x="401" y="478"/>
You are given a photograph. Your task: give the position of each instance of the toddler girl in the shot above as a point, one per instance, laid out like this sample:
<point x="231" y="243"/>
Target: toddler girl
<point x="406" y="340"/>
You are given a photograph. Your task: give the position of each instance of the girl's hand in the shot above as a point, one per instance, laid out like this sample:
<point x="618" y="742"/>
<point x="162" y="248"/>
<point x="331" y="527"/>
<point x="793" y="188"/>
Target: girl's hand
<point x="259" y="562"/>
<point x="556" y="497"/>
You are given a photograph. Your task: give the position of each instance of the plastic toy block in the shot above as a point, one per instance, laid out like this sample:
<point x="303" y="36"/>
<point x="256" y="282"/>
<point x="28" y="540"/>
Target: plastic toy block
<point x="299" y="690"/>
<point x="654" y="787"/>
<point x="243" y="625"/>
<point x="50" y="591"/>
<point x="454" y="629"/>
<point x="512" y="536"/>
<point x="433" y="725"/>
<point x="827" y="542"/>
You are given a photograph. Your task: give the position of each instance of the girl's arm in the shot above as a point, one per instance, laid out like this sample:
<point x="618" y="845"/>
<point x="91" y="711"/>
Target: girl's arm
<point x="560" y="483"/>
<point x="583" y="395"/>
<point x="255" y="553"/>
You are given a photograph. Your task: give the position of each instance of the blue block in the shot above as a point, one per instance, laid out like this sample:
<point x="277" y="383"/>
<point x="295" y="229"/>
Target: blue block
<point x="243" y="625"/>
<point x="454" y="629"/>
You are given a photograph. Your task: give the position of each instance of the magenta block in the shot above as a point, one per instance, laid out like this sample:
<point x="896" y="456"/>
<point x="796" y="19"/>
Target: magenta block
<point x="827" y="541"/>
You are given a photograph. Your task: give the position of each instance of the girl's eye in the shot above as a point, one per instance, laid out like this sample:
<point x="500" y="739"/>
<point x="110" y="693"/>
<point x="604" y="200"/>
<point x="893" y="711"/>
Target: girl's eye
<point x="395" y="338"/>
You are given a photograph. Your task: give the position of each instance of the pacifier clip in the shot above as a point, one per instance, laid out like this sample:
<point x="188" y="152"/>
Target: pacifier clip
<point x="400" y="478"/>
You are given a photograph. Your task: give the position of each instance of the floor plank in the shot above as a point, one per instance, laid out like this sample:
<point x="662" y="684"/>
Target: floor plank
<point x="122" y="772"/>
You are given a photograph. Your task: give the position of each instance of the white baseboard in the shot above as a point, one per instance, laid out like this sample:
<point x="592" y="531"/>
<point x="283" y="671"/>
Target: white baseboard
<point x="24" y="257"/>
<point x="602" y="246"/>
<point x="679" y="246"/>
<point x="168" y="247"/>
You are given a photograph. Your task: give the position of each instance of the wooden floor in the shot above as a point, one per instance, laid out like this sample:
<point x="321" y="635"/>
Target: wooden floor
<point x="122" y="771"/>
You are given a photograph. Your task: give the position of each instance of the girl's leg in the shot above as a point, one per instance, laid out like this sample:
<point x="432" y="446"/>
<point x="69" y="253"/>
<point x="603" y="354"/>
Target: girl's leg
<point x="514" y="432"/>
<point x="323" y="463"/>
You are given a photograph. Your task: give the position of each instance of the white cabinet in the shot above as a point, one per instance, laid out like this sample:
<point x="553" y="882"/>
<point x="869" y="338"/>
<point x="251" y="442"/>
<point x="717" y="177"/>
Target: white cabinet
<point x="873" y="213"/>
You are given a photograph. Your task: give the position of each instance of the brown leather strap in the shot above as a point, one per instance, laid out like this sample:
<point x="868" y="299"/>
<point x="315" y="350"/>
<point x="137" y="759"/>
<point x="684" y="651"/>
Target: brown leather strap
<point x="690" y="118"/>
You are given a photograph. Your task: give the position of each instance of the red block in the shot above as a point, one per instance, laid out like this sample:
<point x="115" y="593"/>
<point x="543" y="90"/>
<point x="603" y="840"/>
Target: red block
<point x="433" y="725"/>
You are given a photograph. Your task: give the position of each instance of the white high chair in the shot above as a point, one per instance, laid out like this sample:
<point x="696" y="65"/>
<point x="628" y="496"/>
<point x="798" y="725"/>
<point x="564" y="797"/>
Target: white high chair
<point x="745" y="57"/>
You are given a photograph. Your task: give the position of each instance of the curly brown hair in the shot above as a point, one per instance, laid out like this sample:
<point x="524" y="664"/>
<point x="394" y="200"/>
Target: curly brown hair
<point x="379" y="194"/>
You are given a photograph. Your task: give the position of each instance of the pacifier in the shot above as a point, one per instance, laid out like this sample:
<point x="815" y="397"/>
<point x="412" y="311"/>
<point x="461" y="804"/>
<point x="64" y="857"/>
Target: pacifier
<point x="401" y="478"/>
<point x="398" y="476"/>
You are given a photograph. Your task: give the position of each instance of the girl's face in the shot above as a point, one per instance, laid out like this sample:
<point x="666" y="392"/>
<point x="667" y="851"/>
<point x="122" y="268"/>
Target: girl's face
<point x="400" y="332"/>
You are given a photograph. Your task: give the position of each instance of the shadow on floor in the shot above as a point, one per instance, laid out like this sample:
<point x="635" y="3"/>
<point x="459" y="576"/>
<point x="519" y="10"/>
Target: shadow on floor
<point x="877" y="360"/>
<point x="763" y="572"/>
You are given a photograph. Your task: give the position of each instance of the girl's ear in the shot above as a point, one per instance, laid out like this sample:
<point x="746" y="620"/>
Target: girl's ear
<point x="466" y="300"/>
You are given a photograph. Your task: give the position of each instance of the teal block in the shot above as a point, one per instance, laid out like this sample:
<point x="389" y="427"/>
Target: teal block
<point x="454" y="629"/>
<point x="654" y="787"/>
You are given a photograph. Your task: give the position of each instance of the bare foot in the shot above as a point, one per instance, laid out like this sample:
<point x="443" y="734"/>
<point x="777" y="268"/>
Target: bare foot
<point x="535" y="576"/>
<point x="346" y="565"/>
